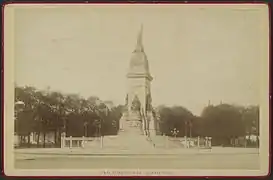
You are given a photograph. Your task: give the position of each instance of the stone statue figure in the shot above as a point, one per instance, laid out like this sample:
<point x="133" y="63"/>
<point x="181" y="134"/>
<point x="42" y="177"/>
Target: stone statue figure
<point x="148" y="102"/>
<point x="136" y="104"/>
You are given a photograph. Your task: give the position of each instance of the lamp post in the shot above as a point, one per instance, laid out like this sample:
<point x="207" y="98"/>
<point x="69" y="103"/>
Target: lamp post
<point x="175" y="132"/>
<point x="65" y="122"/>
<point x="190" y="128"/>
<point x="100" y="126"/>
<point x="186" y="128"/>
<point x="96" y="123"/>
<point x="101" y="119"/>
<point x="85" y="128"/>
<point x="101" y="134"/>
<point x="18" y="106"/>
<point x="63" y="134"/>
<point x="19" y="103"/>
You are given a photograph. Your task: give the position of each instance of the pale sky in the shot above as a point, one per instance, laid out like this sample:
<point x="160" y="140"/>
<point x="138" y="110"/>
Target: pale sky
<point x="196" y="54"/>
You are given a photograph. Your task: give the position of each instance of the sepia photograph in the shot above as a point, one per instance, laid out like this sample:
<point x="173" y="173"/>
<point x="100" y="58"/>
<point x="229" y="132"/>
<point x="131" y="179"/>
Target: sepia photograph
<point x="136" y="90"/>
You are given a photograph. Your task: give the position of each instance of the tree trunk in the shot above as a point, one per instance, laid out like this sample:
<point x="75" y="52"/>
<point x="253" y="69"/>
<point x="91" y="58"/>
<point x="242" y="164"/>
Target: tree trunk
<point x="21" y="140"/>
<point x="44" y="139"/>
<point x="38" y="138"/>
<point x="59" y="137"/>
<point x="55" y="137"/>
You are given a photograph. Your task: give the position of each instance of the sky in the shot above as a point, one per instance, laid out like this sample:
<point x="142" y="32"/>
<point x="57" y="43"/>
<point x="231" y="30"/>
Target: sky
<point x="196" y="54"/>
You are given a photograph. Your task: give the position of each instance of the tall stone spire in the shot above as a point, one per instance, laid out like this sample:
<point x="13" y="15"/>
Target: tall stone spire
<point x="139" y="65"/>
<point x="139" y="45"/>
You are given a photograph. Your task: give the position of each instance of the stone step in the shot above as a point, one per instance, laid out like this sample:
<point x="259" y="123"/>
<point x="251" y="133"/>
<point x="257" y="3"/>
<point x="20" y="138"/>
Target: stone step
<point x="165" y="142"/>
<point x="124" y="141"/>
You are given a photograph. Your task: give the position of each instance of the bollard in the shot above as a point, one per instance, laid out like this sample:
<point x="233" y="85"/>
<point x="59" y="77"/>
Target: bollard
<point x="62" y="144"/>
<point x="63" y="141"/>
<point x="70" y="142"/>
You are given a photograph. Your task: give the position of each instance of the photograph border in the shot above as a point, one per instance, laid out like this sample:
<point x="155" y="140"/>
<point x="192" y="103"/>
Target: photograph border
<point x="8" y="111"/>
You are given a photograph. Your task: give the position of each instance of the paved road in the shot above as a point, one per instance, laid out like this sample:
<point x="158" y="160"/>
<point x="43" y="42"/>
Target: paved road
<point x="201" y="161"/>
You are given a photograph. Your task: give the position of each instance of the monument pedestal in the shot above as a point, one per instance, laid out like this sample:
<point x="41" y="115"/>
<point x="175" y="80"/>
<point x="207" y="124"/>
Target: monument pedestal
<point x="131" y="122"/>
<point x="145" y="124"/>
<point x="152" y="124"/>
<point x="130" y="138"/>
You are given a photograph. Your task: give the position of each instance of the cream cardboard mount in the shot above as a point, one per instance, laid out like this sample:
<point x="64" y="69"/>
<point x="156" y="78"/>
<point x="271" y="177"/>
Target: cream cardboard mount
<point x="139" y="149"/>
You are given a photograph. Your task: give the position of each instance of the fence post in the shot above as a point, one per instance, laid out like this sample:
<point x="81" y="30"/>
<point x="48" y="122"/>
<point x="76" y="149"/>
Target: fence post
<point x="64" y="141"/>
<point x="61" y="142"/>
<point x="82" y="142"/>
<point x="70" y="142"/>
<point x="210" y="142"/>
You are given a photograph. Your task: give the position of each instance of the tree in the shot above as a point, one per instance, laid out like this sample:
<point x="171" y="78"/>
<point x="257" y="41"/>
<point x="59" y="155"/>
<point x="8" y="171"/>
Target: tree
<point x="48" y="111"/>
<point x="223" y="123"/>
<point x="53" y="112"/>
<point x="250" y="117"/>
<point x="166" y="117"/>
<point x="93" y="100"/>
<point x="44" y="115"/>
<point x="58" y="111"/>
<point x="24" y="123"/>
<point x="112" y="120"/>
<point x="175" y="117"/>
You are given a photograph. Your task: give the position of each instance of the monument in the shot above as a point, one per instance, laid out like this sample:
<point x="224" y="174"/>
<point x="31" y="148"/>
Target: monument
<point x="138" y="113"/>
<point x="138" y="124"/>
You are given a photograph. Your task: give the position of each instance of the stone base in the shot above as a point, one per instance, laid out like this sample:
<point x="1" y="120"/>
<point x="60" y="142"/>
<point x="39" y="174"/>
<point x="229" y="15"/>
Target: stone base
<point x="130" y="119"/>
<point x="152" y="132"/>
